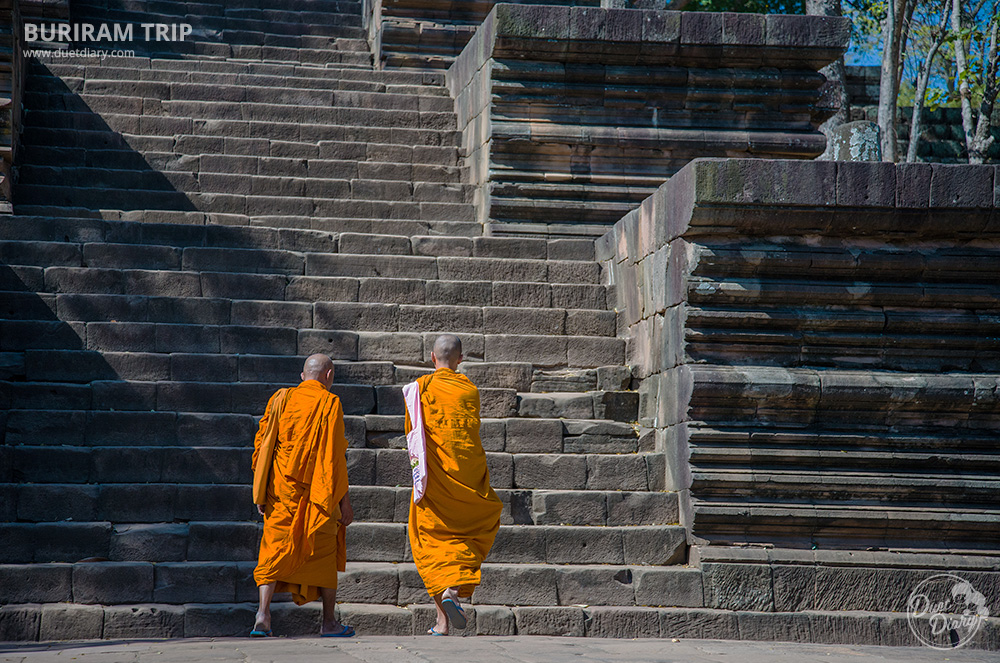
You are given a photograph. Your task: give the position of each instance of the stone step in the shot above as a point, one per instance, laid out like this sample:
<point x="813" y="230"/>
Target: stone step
<point x="190" y="229"/>
<point x="340" y="159"/>
<point x="298" y="54"/>
<point x="342" y="181"/>
<point x="168" y="198"/>
<point x="351" y="261"/>
<point x="46" y="504"/>
<point x="191" y="500"/>
<point x="44" y="463"/>
<point x="743" y="293"/>
<point x="553" y="353"/>
<point x="302" y="137"/>
<point x="310" y="289"/>
<point x="517" y="475"/>
<point x="560" y="354"/>
<point x="127" y="68"/>
<point x="300" y="223"/>
<point x="117" y="583"/>
<point x="848" y="525"/>
<point x="178" y="429"/>
<point x="341" y="108"/>
<point x="63" y="379"/>
<point x="189" y="99"/>
<point x="282" y="320"/>
<point x="369" y="542"/>
<point x="76" y="621"/>
<point x="62" y="79"/>
<point x="273" y="20"/>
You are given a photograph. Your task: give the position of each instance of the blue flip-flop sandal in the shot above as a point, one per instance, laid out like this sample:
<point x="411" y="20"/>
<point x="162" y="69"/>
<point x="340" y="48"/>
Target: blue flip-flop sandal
<point x="344" y="632"/>
<point x="455" y="613"/>
<point x="257" y="633"/>
<point x="434" y="631"/>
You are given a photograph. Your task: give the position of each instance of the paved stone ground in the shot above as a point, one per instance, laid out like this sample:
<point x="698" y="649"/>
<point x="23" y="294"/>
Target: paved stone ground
<point x="523" y="649"/>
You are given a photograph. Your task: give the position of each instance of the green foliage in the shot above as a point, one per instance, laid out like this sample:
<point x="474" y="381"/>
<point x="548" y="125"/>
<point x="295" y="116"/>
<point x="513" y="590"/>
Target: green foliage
<point x="749" y="6"/>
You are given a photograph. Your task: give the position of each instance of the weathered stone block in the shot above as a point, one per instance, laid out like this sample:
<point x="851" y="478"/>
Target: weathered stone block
<point x="185" y="582"/>
<point x="112" y="582"/>
<point x="375" y="583"/>
<point x="217" y="620"/>
<point x="161" y="542"/>
<point x="701" y="624"/>
<point x="630" y="622"/>
<point x="794" y="587"/>
<point x="534" y="436"/>
<point x="584" y="545"/>
<point x="71" y="622"/>
<point x="595" y="585"/>
<point x="20" y="623"/>
<point x="550" y="471"/>
<point x="45" y="583"/>
<point x="780" y="626"/>
<point x="494" y="620"/>
<point x="550" y="621"/>
<point x="658" y="546"/>
<point x="642" y="508"/>
<point x="130" y="622"/>
<point x="519" y="545"/>
<point x="738" y="586"/>
<point x="616" y="472"/>
<point x="551" y="507"/>
<point x="377" y="619"/>
<point x="674" y="587"/>
<point x="518" y="584"/>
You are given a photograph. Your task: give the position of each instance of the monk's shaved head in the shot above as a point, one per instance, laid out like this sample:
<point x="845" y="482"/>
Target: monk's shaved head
<point x="447" y="351"/>
<point x="318" y="367"/>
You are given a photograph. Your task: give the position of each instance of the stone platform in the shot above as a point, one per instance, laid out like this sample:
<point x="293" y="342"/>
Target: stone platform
<point x="499" y="649"/>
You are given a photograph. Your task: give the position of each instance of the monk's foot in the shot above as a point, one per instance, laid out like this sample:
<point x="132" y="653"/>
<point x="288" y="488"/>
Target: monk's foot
<point x="453" y="608"/>
<point x="439" y="628"/>
<point x="261" y="625"/>
<point x="335" y="629"/>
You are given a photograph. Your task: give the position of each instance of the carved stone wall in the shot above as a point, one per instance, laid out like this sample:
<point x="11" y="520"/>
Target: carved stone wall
<point x="431" y="33"/>
<point x="817" y="343"/>
<point x="571" y="116"/>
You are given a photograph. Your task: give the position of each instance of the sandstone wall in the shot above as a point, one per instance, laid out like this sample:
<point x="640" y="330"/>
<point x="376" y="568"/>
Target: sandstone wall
<point x="572" y="116"/>
<point x="818" y="348"/>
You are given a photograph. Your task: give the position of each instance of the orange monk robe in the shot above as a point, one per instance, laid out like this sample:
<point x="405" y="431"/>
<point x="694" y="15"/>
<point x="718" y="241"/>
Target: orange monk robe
<point x="452" y="528"/>
<point x="303" y="545"/>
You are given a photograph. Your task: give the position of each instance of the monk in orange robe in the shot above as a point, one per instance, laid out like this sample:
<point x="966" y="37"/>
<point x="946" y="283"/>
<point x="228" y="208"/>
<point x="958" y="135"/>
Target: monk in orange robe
<point x="452" y="527"/>
<point x="300" y="487"/>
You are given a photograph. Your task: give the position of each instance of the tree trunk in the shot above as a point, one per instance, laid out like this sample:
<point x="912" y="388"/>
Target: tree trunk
<point x="889" y="83"/>
<point x="983" y="139"/>
<point x="923" y="79"/>
<point x="836" y="79"/>
<point x="964" y="91"/>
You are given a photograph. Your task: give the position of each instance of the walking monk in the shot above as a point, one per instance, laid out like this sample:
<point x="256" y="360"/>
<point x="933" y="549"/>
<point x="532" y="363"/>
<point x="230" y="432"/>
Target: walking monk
<point x="453" y="524"/>
<point x="300" y="487"/>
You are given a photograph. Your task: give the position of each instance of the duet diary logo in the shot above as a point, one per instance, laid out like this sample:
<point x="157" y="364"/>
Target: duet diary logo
<point x="945" y="611"/>
<point x="66" y="33"/>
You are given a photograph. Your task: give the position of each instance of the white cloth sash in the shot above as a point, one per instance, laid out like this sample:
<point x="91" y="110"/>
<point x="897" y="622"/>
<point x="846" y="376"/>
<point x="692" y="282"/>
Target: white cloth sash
<point x="416" y="439"/>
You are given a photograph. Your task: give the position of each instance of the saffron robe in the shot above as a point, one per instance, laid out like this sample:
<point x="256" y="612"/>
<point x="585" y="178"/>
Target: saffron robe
<point x="452" y="528"/>
<point x="303" y="544"/>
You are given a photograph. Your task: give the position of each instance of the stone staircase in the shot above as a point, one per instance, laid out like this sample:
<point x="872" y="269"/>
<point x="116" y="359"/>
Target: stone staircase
<point x="189" y="224"/>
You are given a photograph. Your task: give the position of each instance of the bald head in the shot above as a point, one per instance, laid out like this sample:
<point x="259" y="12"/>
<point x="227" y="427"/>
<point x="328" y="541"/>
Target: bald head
<point x="447" y="351"/>
<point x="318" y="367"/>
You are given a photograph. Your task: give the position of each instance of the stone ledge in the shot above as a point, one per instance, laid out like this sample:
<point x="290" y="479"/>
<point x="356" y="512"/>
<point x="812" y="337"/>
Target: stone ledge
<point x="948" y="561"/>
<point x="744" y="196"/>
<point x="21" y="622"/>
